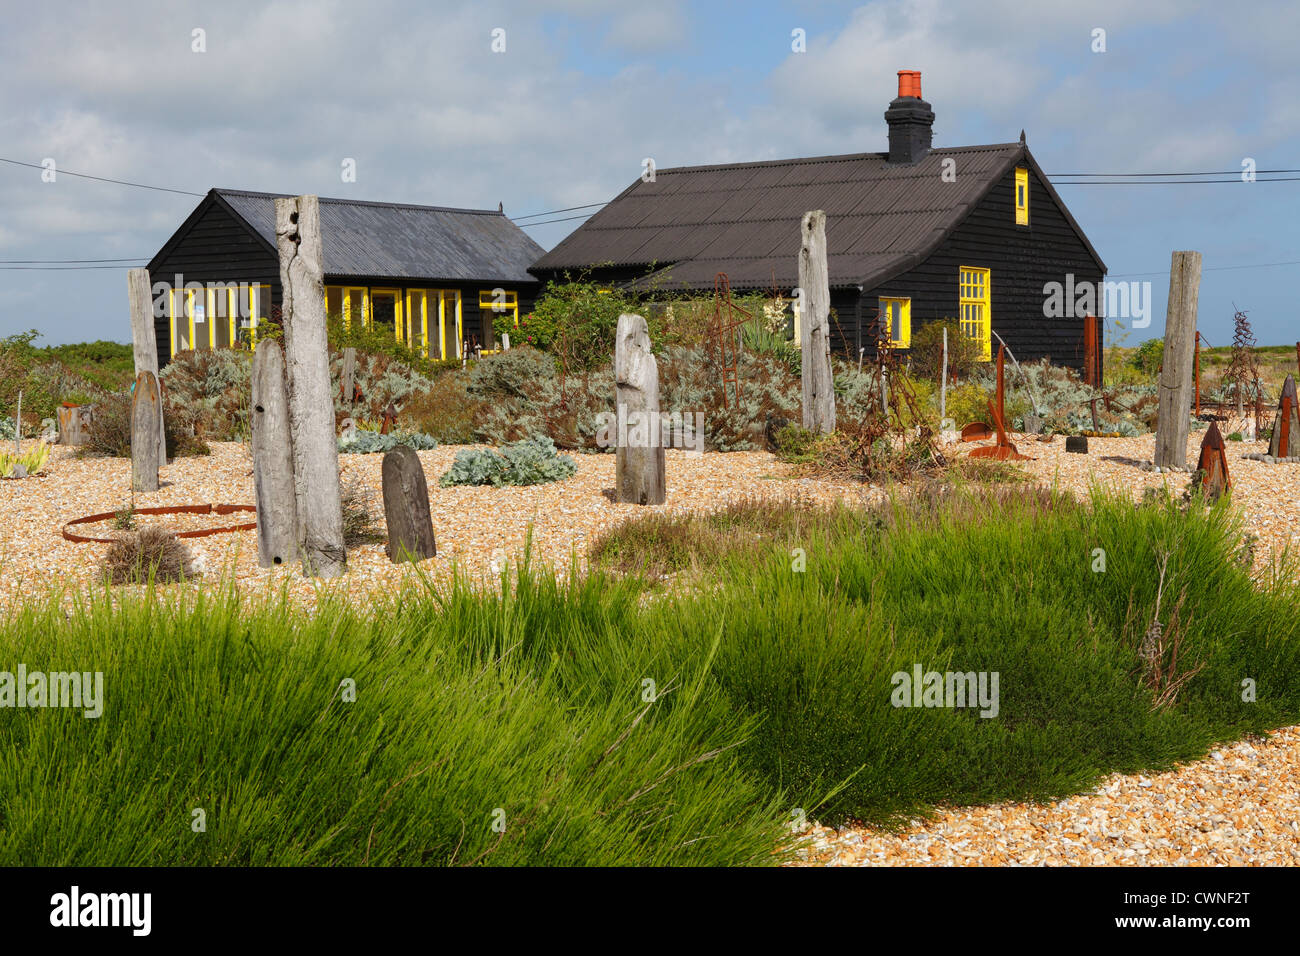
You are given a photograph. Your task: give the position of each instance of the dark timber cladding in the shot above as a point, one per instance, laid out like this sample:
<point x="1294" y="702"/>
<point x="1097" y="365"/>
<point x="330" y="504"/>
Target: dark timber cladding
<point x="376" y="255"/>
<point x="901" y="225"/>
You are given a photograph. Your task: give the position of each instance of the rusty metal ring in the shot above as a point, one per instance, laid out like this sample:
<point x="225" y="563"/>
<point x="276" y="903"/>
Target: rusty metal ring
<point x="170" y="510"/>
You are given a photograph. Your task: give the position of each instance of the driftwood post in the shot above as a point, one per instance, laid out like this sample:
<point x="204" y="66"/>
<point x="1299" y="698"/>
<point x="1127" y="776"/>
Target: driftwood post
<point x="1176" y="372"/>
<point x="1285" y="440"/>
<point x="639" y="466"/>
<point x="943" y="379"/>
<point x="273" y="484"/>
<point x="18" y="425"/>
<point x="146" y="407"/>
<point x="815" y="338"/>
<point x="406" y="507"/>
<point x="144" y="340"/>
<point x="307" y="374"/>
<point x="348" y="388"/>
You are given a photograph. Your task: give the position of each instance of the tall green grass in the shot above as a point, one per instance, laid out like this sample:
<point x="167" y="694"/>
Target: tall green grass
<point x="606" y="722"/>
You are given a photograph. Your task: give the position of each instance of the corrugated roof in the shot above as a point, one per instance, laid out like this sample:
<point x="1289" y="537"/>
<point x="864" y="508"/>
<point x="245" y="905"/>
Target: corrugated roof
<point x="404" y="241"/>
<point x="743" y="218"/>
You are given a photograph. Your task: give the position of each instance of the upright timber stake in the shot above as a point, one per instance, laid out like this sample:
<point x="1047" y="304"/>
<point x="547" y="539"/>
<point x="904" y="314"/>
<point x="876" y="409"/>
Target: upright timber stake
<point x="349" y="384"/>
<point x="145" y="341"/>
<point x="1176" y="373"/>
<point x="311" y="400"/>
<point x="639" y="467"/>
<point x="406" y="507"/>
<point x="146" y="409"/>
<point x="814" y="281"/>
<point x="1285" y="441"/>
<point x="943" y="380"/>
<point x="277" y="503"/>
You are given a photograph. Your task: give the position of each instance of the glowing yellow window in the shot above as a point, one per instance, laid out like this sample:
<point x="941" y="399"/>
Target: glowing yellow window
<point x="976" y="316"/>
<point x="897" y="314"/>
<point x="1022" y="197"/>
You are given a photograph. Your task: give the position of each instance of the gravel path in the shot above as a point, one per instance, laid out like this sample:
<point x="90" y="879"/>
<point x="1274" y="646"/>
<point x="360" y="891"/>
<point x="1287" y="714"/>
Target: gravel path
<point x="1239" y="807"/>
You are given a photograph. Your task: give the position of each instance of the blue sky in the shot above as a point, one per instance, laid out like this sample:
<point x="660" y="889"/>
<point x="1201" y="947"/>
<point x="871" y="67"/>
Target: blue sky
<point x="586" y="89"/>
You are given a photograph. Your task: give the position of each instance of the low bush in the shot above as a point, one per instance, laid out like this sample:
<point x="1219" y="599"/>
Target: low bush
<point x="366" y="442"/>
<point x="532" y="461"/>
<point x="147" y="556"/>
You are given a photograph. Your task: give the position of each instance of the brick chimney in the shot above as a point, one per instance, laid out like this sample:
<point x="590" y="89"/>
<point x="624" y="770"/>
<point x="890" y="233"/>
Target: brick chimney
<point x="910" y="120"/>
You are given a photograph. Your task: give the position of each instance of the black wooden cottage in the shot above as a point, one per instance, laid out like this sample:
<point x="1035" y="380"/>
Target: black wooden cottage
<point x="436" y="276"/>
<point x="971" y="233"/>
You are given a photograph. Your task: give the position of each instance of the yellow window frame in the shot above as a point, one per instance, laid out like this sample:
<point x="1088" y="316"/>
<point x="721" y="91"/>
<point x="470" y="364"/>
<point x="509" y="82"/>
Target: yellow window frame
<point x="417" y="312"/>
<point x="975" y="297"/>
<point x="397" y="309"/>
<point x="1021" y="197"/>
<point x="510" y="303"/>
<point x="362" y="300"/>
<point x="904" y="340"/>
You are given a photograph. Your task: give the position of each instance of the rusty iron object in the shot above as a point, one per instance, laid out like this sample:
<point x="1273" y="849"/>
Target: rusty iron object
<point x="976" y="431"/>
<point x="1284" y="423"/>
<point x="390" y="417"/>
<point x="170" y="510"/>
<point x="1214" y="462"/>
<point x="1091" y="353"/>
<point x="724" y="335"/>
<point x="1004" y="450"/>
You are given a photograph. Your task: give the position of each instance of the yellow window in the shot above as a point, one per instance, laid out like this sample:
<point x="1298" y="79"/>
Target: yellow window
<point x="1022" y="197"/>
<point x="897" y="314"/>
<point x="976" y="315"/>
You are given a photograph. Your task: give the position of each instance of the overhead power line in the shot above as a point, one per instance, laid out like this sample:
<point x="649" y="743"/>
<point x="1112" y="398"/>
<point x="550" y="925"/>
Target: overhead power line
<point x="103" y="179"/>
<point x="47" y="262"/>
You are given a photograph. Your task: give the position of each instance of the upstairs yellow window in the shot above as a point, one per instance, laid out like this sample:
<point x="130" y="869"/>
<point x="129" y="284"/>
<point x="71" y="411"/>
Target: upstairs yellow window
<point x="897" y="319"/>
<point x="1022" y="197"/>
<point x="976" y="315"/>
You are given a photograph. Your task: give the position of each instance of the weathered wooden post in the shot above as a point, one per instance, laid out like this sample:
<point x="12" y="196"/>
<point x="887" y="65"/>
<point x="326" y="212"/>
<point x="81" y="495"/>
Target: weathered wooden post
<point x="814" y="280"/>
<point x="273" y="483"/>
<point x="348" y="387"/>
<point x="307" y="374"/>
<point x="144" y="340"/>
<point x="1285" y="440"/>
<point x="146" y="412"/>
<point x="1176" y="373"/>
<point x="406" y="507"/>
<point x="943" y="380"/>
<point x="639" y="466"/>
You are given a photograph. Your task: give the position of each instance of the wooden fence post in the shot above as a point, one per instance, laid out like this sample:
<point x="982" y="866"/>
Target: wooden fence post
<point x="406" y="507"/>
<point x="814" y="280"/>
<point x="311" y="399"/>
<point x="273" y="484"/>
<point x="1176" y="372"/>
<point x="943" y="380"/>
<point x="348" y="387"/>
<point x="639" y="466"/>
<point x="144" y="339"/>
<point x="145" y="415"/>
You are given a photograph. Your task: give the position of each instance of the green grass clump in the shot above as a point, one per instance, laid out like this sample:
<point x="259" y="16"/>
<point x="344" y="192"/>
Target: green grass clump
<point x="594" y="726"/>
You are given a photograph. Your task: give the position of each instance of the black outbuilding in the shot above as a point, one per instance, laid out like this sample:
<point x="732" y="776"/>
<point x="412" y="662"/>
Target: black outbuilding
<point x="438" y="277"/>
<point x="975" y="233"/>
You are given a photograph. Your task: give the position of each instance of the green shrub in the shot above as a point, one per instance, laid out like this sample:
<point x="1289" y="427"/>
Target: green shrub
<point x="1148" y="356"/>
<point x="575" y="320"/>
<point x="445" y="410"/>
<point x="926" y="351"/>
<point x="509" y="374"/>
<point x="366" y="442"/>
<point x="533" y="461"/>
<point x="968" y="402"/>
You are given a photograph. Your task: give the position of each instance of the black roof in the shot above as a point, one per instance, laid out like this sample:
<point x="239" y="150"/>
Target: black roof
<point x="743" y="218"/>
<point x="400" y="241"/>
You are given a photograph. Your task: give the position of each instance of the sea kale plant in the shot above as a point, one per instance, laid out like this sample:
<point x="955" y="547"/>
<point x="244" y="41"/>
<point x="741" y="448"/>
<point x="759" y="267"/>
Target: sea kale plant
<point x="532" y="461"/>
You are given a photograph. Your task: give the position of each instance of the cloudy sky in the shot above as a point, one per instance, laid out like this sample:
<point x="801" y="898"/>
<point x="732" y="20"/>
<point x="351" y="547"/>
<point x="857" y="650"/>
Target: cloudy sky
<point x="585" y="89"/>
